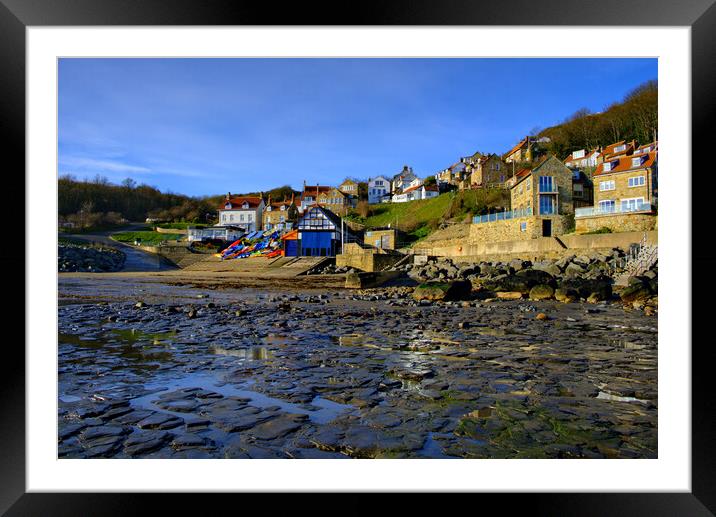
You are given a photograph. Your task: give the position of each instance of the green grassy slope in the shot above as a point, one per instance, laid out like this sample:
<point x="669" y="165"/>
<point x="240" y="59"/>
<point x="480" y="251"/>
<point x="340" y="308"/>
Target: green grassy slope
<point x="419" y="218"/>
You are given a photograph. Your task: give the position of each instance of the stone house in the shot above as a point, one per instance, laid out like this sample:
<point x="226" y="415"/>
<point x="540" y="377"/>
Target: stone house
<point x="335" y="200"/>
<point x="378" y="189"/>
<point x="350" y="189"/>
<point x="522" y="152"/>
<point x="276" y="214"/>
<point x="625" y="194"/>
<point x="488" y="171"/>
<point x="330" y="197"/>
<point x="545" y="189"/>
<point x="245" y="212"/>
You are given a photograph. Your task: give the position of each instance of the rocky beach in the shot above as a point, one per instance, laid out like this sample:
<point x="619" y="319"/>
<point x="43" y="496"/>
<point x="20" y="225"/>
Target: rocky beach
<point x="564" y="366"/>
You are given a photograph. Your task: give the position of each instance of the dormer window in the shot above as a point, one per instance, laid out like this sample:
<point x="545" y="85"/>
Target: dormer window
<point x="578" y="154"/>
<point x="620" y="148"/>
<point x="635" y="162"/>
<point x="227" y="206"/>
<point x="245" y="205"/>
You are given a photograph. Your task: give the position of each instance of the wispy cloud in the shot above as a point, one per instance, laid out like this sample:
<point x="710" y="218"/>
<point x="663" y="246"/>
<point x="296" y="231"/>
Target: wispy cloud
<point x="101" y="165"/>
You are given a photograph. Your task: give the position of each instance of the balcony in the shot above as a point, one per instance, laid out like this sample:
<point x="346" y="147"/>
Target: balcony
<point x="501" y="216"/>
<point x="548" y="189"/>
<point x="592" y="211"/>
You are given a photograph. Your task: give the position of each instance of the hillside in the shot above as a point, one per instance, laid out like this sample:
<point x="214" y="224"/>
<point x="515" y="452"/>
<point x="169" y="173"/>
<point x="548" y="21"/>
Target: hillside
<point x="634" y="118"/>
<point x="420" y="218"/>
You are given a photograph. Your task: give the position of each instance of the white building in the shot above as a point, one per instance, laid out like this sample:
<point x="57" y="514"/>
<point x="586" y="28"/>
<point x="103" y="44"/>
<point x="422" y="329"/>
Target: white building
<point x="582" y="158"/>
<point x="243" y="212"/>
<point x="403" y="179"/>
<point x="378" y="189"/>
<point x="415" y="193"/>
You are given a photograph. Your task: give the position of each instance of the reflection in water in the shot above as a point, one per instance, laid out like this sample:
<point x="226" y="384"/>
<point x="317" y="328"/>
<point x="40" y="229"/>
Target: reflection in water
<point x="253" y="353"/>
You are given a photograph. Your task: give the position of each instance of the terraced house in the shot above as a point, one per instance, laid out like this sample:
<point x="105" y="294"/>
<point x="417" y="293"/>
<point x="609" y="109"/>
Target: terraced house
<point x="330" y="197"/>
<point x="625" y="194"/>
<point x="488" y="171"/>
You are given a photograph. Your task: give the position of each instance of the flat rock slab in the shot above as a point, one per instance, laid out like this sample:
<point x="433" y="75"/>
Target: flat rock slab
<point x="279" y="427"/>
<point x="160" y="421"/>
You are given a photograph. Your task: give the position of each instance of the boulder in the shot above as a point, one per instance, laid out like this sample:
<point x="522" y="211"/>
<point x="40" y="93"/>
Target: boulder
<point x="585" y="287"/>
<point x="509" y="295"/>
<point x="635" y="292"/>
<point x="541" y="292"/>
<point x="566" y="295"/>
<point x="535" y="276"/>
<point x="432" y="291"/>
<point x="548" y="267"/>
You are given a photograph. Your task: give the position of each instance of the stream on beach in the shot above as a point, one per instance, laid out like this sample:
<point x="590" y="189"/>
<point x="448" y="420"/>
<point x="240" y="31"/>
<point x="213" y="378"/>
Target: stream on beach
<point x="250" y="373"/>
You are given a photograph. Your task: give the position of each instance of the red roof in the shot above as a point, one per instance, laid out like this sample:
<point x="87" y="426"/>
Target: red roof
<point x="237" y="203"/>
<point x="521" y="143"/>
<point x="609" y="151"/>
<point x="624" y="164"/>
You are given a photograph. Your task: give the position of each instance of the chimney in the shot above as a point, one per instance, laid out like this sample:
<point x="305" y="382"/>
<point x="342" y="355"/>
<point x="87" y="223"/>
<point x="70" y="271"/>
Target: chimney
<point x="228" y="196"/>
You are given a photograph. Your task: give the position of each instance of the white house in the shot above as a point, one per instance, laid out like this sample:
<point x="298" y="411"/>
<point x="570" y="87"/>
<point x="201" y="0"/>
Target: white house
<point x="403" y="179"/>
<point x="378" y="188"/>
<point x="582" y="158"/>
<point x="416" y="192"/>
<point x="244" y="212"/>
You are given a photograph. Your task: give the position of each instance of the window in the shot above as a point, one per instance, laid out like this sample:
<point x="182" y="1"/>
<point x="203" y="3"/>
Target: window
<point x="607" y="206"/>
<point x="637" y="181"/>
<point x="619" y="149"/>
<point x="546" y="184"/>
<point x="523" y="226"/>
<point x="578" y="189"/>
<point x="635" y="162"/>
<point x="633" y="204"/>
<point x="547" y="205"/>
<point x="578" y="154"/>
<point x="607" y="185"/>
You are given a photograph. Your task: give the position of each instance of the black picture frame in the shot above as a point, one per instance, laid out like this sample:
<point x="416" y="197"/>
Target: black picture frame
<point x="700" y="15"/>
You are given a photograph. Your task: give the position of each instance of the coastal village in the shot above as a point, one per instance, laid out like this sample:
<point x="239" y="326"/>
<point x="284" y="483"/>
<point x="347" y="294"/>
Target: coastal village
<point x="611" y="189"/>
<point x="503" y="306"/>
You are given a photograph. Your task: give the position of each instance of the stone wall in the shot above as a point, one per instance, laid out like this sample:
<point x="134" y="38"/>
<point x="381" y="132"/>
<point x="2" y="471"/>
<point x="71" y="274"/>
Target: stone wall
<point x="374" y="238"/>
<point x="520" y="228"/>
<point x="367" y="261"/>
<point x="617" y="223"/>
<point x="170" y="230"/>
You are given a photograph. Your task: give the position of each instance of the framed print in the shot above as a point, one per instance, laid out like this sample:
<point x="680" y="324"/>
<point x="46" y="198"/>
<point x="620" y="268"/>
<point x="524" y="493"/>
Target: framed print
<point x="418" y="235"/>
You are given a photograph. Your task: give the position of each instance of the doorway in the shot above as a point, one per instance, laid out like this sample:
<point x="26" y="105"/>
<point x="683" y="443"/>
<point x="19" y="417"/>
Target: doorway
<point x="546" y="228"/>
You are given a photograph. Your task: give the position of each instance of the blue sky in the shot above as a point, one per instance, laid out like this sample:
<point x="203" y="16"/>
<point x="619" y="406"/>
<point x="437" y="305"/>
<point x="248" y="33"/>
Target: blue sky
<point x="208" y="126"/>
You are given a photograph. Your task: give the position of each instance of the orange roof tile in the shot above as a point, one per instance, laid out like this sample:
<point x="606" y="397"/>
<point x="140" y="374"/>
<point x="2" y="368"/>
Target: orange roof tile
<point x="624" y="164"/>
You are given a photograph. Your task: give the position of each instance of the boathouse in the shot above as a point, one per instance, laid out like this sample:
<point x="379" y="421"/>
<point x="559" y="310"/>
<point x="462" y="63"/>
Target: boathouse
<point x="320" y="233"/>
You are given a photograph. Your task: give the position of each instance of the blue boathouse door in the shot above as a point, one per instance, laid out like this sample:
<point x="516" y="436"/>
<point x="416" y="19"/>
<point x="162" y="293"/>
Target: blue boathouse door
<point x="317" y="244"/>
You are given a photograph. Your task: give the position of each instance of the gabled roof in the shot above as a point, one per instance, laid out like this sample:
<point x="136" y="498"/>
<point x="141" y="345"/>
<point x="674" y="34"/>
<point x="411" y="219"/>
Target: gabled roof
<point x="519" y="145"/>
<point x="586" y="156"/>
<point x="610" y="152"/>
<point x="624" y="164"/>
<point x="653" y="146"/>
<point x="237" y="202"/>
<point x="313" y="191"/>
